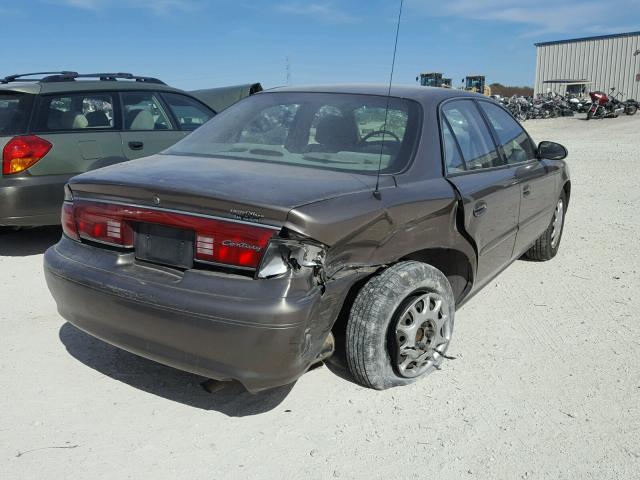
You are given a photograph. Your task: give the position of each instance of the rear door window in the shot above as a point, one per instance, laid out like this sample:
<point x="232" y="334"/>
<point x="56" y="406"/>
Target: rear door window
<point x="77" y="111"/>
<point x="470" y="130"/>
<point x="189" y="113"/>
<point x="144" y="111"/>
<point x="516" y="144"/>
<point x="452" y="157"/>
<point x="15" y="110"/>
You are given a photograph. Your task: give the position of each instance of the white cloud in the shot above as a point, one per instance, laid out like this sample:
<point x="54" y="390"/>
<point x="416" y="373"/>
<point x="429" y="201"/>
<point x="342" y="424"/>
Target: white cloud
<point x="543" y="16"/>
<point x="325" y="11"/>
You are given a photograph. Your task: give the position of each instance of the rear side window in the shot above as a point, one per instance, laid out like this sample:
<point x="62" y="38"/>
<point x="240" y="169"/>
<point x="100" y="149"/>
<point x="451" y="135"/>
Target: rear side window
<point x="515" y="142"/>
<point x="189" y="113"/>
<point x="144" y="111"/>
<point x="453" y="159"/>
<point x="473" y="136"/>
<point x="15" y="110"/>
<point x="82" y="111"/>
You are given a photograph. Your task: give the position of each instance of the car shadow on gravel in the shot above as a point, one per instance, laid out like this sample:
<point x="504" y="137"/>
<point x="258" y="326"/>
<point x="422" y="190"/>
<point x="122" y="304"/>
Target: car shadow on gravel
<point x="229" y="398"/>
<point x="29" y="241"/>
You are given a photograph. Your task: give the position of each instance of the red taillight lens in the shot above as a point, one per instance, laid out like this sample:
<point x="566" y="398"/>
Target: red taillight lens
<point x="103" y="223"/>
<point x="216" y="241"/>
<point x="69" y="222"/>
<point x="21" y="153"/>
<point x="231" y="243"/>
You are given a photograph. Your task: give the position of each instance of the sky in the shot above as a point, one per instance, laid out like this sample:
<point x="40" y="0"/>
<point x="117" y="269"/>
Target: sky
<point x="194" y="44"/>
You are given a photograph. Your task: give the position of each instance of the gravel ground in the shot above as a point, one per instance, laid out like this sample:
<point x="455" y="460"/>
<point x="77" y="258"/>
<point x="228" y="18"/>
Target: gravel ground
<point x="545" y="384"/>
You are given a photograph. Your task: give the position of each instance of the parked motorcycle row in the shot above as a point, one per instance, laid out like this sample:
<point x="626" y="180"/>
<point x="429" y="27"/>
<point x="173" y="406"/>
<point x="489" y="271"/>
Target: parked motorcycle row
<point x="598" y="105"/>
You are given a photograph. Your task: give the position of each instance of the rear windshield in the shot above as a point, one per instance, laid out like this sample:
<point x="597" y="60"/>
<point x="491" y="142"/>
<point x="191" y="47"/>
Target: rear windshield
<point x="329" y="131"/>
<point x="15" y="109"/>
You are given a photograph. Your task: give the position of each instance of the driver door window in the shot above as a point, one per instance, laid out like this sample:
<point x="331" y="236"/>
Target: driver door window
<point x="515" y="142"/>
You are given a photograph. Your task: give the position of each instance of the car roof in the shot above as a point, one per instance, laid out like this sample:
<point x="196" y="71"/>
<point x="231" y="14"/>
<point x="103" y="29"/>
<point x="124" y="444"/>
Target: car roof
<point x="36" y="87"/>
<point x="24" y="87"/>
<point x="417" y="93"/>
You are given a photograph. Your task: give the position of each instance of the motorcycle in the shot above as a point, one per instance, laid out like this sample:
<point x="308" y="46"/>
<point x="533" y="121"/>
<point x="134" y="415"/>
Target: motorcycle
<point x="517" y="107"/>
<point x="631" y="106"/>
<point x="577" y="104"/>
<point x="604" y="106"/>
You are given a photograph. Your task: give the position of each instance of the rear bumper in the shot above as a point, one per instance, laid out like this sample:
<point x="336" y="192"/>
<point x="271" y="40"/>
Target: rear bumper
<point x="27" y="200"/>
<point x="263" y="333"/>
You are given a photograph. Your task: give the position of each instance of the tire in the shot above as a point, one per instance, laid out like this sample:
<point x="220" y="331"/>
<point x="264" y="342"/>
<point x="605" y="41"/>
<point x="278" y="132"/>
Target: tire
<point x="547" y="245"/>
<point x="380" y="317"/>
<point x="631" y="110"/>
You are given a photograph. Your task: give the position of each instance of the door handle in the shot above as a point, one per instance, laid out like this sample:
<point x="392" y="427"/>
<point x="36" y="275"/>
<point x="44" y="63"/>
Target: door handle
<point x="136" y="145"/>
<point x="526" y="191"/>
<point x="480" y="208"/>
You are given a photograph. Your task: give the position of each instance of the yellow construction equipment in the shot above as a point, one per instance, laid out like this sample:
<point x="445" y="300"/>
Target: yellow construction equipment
<point x="477" y="84"/>
<point x="433" y="79"/>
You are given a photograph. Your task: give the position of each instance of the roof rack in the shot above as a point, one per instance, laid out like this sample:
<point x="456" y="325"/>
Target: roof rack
<point x="66" y="76"/>
<point x="13" y="78"/>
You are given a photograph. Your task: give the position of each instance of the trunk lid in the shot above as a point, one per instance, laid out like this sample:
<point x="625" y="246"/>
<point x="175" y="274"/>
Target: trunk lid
<point x="237" y="189"/>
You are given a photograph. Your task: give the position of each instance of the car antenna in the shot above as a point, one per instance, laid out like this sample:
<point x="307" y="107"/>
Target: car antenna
<point x="376" y="192"/>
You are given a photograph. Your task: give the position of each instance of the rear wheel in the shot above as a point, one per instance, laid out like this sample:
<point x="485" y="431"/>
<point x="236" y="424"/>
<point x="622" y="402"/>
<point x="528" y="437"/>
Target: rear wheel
<point x="631" y="110"/>
<point x="546" y="246"/>
<point x="400" y="326"/>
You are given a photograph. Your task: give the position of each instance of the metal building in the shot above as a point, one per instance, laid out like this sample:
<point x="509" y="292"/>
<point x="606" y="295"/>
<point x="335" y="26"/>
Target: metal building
<point x="597" y="62"/>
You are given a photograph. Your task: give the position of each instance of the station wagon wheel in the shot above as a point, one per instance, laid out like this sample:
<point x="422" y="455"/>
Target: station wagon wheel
<point x="422" y="334"/>
<point x="547" y="245"/>
<point x="400" y="325"/>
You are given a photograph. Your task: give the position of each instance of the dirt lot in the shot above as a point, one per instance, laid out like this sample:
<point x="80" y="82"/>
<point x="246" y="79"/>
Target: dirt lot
<point x="545" y="384"/>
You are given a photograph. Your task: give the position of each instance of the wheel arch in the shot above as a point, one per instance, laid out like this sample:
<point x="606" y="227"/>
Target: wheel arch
<point x="454" y="264"/>
<point x="567" y="190"/>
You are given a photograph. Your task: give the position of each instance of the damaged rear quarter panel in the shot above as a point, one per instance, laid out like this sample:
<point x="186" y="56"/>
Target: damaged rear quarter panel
<point x="364" y="232"/>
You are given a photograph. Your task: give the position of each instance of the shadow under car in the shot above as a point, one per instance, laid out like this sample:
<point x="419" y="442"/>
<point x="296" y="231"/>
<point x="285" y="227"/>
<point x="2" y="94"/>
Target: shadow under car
<point x="229" y="398"/>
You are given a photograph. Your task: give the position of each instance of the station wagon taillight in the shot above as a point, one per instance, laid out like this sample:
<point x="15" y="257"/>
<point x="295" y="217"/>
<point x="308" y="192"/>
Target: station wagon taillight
<point x="22" y="152"/>
<point x="215" y="241"/>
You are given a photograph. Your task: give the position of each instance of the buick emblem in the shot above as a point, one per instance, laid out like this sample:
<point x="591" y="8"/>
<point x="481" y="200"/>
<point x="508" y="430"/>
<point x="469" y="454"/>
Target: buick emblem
<point x="156" y="200"/>
<point x="247" y="215"/>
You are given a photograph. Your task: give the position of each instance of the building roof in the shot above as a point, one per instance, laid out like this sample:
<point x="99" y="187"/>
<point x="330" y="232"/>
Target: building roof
<point x="584" y="39"/>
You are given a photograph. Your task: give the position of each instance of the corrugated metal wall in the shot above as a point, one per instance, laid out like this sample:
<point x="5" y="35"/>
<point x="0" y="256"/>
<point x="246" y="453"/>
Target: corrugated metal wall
<point x="607" y="62"/>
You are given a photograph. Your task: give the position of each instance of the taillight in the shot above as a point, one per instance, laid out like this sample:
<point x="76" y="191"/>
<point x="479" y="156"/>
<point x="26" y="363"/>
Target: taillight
<point x="103" y="223"/>
<point x="69" y="222"/>
<point x="22" y="152"/>
<point x="215" y="241"/>
<point x="231" y="243"/>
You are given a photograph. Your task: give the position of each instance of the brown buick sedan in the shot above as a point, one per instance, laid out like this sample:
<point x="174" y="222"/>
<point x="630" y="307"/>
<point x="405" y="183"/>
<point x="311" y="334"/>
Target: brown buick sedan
<point x="303" y="213"/>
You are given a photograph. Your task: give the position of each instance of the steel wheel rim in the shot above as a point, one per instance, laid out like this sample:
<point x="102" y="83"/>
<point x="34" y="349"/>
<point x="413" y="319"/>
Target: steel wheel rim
<point x="558" y="217"/>
<point x="421" y="334"/>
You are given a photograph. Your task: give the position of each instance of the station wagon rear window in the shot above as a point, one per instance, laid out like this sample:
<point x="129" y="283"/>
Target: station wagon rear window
<point x="15" y="109"/>
<point x="329" y="131"/>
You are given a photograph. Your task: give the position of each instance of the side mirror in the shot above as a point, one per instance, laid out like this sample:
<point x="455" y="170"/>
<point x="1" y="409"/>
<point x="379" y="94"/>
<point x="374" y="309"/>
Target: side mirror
<point x="552" y="151"/>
